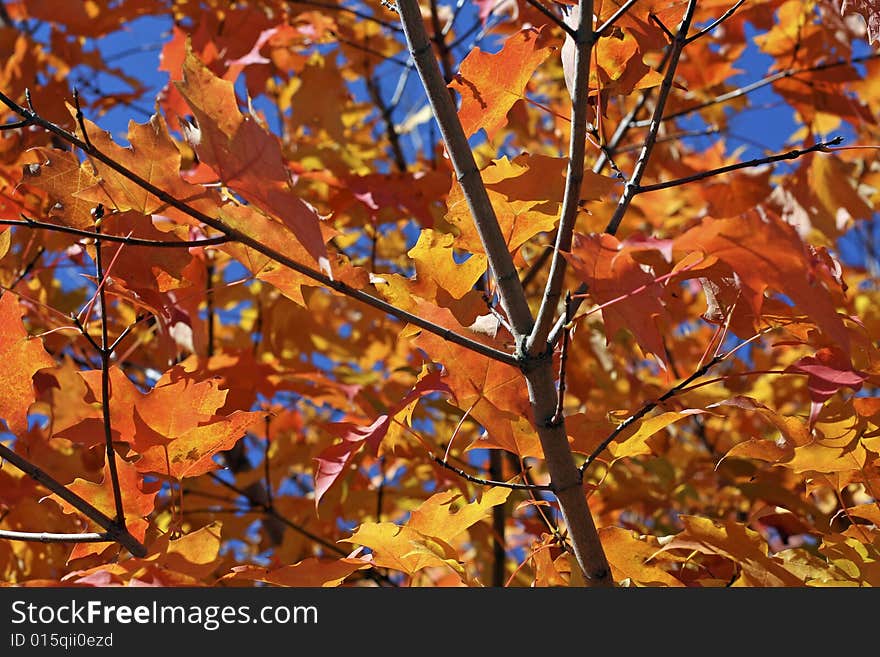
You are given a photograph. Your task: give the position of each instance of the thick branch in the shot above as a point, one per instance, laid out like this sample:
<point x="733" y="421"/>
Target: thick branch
<point x="584" y="40"/>
<point x="642" y="163"/>
<point x="538" y="370"/>
<point x="451" y="336"/>
<point x="513" y="299"/>
<point x="115" y="532"/>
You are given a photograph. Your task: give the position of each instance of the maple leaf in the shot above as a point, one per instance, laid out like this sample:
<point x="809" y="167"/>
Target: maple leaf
<point x="629" y="557"/>
<point x="192" y="453"/>
<point x="244" y="154"/>
<point x="424" y="540"/>
<point x="611" y="272"/>
<point x="138" y="502"/>
<point x="827" y="372"/>
<point x="334" y="460"/>
<point x="490" y="84"/>
<point x="737" y="542"/>
<point x="311" y="572"/>
<point x="767" y="253"/>
<point x="870" y="11"/>
<point x="21" y="356"/>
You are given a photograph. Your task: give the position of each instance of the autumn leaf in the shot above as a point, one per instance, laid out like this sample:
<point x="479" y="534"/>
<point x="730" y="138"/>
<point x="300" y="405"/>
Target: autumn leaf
<point x="311" y="572"/>
<point x="244" y="155"/>
<point x="332" y="463"/>
<point x="489" y="84"/>
<point x="610" y="273"/>
<point x="631" y="556"/>
<point x="192" y="453"/>
<point x="423" y="541"/>
<point x="766" y="253"/>
<point x="738" y="543"/>
<point x="20" y="358"/>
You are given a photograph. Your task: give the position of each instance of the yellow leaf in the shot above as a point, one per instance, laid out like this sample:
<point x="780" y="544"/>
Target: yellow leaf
<point x="633" y="442"/>
<point x="629" y="557"/>
<point x="445" y="516"/>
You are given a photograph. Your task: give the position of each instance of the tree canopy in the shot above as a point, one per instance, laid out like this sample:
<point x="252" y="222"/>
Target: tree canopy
<point x="440" y="293"/>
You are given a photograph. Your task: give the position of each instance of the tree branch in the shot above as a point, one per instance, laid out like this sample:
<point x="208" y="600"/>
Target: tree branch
<point x="115" y="532"/>
<point x="584" y="40"/>
<point x="513" y="298"/>
<point x="486" y="482"/>
<point x="27" y="222"/>
<point x="47" y="537"/>
<point x="233" y="234"/>
<point x="821" y="147"/>
<point x="632" y="184"/>
<point x="712" y="26"/>
<point x="556" y="20"/>
<point x="647" y="408"/>
<point x="625" y="7"/>
<point x="758" y="84"/>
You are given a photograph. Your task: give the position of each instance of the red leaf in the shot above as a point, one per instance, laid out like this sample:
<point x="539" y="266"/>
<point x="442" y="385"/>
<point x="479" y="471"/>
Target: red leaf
<point x="827" y="372"/>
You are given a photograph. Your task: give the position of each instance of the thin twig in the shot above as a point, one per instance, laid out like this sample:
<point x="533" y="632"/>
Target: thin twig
<point x="625" y="7"/>
<point x="271" y="511"/>
<point x="439" y="39"/>
<point x="105" y="355"/>
<point x="647" y="408"/>
<point x="712" y="26"/>
<point x="486" y="482"/>
<point x="632" y="184"/>
<point x="821" y="147"/>
<point x="390" y="129"/>
<point x="553" y="17"/>
<point x="758" y="84"/>
<point x="48" y="537"/>
<point x="29" y="267"/>
<point x="27" y="222"/>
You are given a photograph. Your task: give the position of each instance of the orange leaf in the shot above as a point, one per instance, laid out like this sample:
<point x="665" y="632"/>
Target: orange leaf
<point x="737" y="542"/>
<point x="20" y="357"/>
<point x="311" y="572"/>
<point x="244" y="155"/>
<point x="611" y="272"/>
<point x="490" y="84"/>
<point x="768" y="253"/>
<point x="629" y="557"/>
<point x="192" y="453"/>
